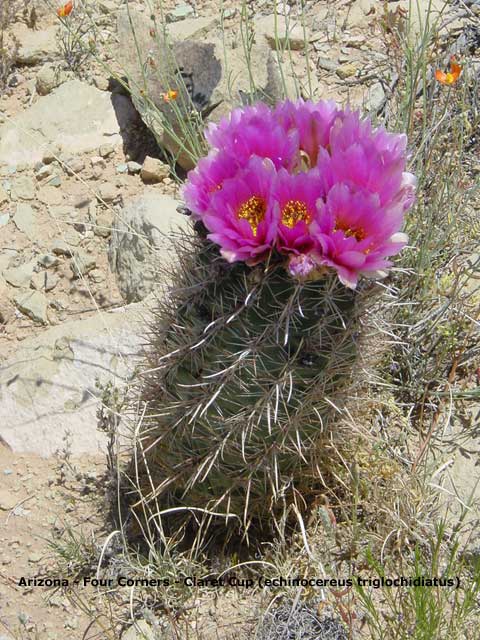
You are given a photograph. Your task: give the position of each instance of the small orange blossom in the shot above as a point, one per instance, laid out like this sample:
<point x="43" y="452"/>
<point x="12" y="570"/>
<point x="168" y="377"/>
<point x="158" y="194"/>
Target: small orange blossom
<point x="66" y="10"/>
<point x="451" y="76"/>
<point x="171" y="94"/>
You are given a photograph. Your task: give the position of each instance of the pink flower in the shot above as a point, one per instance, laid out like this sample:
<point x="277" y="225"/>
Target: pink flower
<point x="240" y="215"/>
<point x="309" y="183"/>
<point x="207" y="178"/>
<point x="252" y="131"/>
<point x="361" y="157"/>
<point x="295" y="197"/>
<point x="356" y="234"/>
<point x="311" y="120"/>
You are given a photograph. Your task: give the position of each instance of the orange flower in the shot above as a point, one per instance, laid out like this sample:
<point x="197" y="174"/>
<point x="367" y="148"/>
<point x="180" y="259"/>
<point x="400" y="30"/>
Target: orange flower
<point x="66" y="10"/>
<point x="170" y="95"/>
<point x="451" y="76"/>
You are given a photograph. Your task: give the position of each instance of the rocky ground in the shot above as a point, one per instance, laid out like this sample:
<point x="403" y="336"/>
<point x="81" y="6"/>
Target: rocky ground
<point x="85" y="200"/>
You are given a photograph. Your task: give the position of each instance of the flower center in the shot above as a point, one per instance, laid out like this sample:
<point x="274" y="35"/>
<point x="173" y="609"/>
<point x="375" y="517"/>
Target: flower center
<point x="293" y="212"/>
<point x="253" y="211"/>
<point x="359" y="234"/>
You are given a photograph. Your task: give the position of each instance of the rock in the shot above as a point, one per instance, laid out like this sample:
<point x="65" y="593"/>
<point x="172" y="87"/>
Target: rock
<point x="327" y="64"/>
<point x="4" y="219"/>
<point x="287" y="32"/>
<point x="3" y="195"/>
<point x="346" y="71"/>
<point x="45" y="171"/>
<point x="50" y="196"/>
<point x="82" y="263"/>
<point x="191" y="28"/>
<point x="48" y="79"/>
<point x="97" y="276"/>
<point x="49" y="387"/>
<point x="216" y="71"/>
<point x="7" y="310"/>
<point x="76" y="117"/>
<point x="103" y="225"/>
<point x="98" y="161"/>
<point x="20" y="276"/>
<point x="61" y="248"/>
<point x="73" y="165"/>
<point x="48" y="261"/>
<point x="24" y="220"/>
<point x="133" y="167"/>
<point x="121" y="168"/>
<point x="6" y="257"/>
<point x="23" y="188"/>
<point x="154" y="170"/>
<point x="50" y="154"/>
<point x="34" y="45"/>
<point x="107" y="192"/>
<point x="106" y="150"/>
<point x="141" y="630"/>
<point x="180" y="12"/>
<point x="45" y="281"/>
<point x="375" y="98"/>
<point x="33" y="304"/>
<point x="143" y="237"/>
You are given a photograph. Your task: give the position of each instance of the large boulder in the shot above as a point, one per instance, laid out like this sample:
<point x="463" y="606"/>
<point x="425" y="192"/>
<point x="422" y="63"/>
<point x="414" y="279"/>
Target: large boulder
<point x="209" y="74"/>
<point x="75" y="118"/>
<point x="142" y="243"/>
<point x="48" y="389"/>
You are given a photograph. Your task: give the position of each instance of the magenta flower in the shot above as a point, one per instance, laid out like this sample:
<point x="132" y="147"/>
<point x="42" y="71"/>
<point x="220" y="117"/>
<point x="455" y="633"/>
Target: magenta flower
<point x="360" y="157"/>
<point x="240" y="216"/>
<point x="254" y="130"/>
<point x="356" y="234"/>
<point x="295" y="197"/>
<point x="207" y="178"/>
<point x="313" y="122"/>
<point x="309" y="183"/>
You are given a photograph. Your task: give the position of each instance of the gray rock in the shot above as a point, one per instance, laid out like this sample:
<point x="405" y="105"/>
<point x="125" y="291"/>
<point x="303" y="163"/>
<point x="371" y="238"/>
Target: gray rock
<point x="3" y="195"/>
<point x="76" y="118"/>
<point x="48" y="388"/>
<point x="180" y="12"/>
<point x="375" y="98"/>
<point x="4" y="219"/>
<point x="217" y="78"/>
<point x="327" y="64"/>
<point x="141" y="630"/>
<point x="24" y="220"/>
<point x="35" y="45"/>
<point x="48" y="261"/>
<point x="103" y="225"/>
<point x="48" y="79"/>
<point x="121" y="168"/>
<point x="82" y="263"/>
<point x="23" y="188"/>
<point x="49" y="195"/>
<point x="154" y="170"/>
<point x="191" y="28"/>
<point x="107" y="192"/>
<point x="134" y="167"/>
<point x="61" y="248"/>
<point x="33" y="304"/>
<point x="287" y="32"/>
<point x="20" y="276"/>
<point x="142" y="239"/>
<point x="7" y="310"/>
<point x="45" y="281"/>
<point x="106" y="150"/>
<point x="73" y="165"/>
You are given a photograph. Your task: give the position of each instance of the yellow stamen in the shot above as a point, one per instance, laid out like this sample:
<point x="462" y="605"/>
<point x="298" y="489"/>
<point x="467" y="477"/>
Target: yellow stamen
<point x="253" y="211"/>
<point x="359" y="234"/>
<point x="295" y="211"/>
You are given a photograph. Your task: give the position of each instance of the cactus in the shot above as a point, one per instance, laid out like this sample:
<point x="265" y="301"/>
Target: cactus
<point x="257" y="339"/>
<point x="239" y="395"/>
